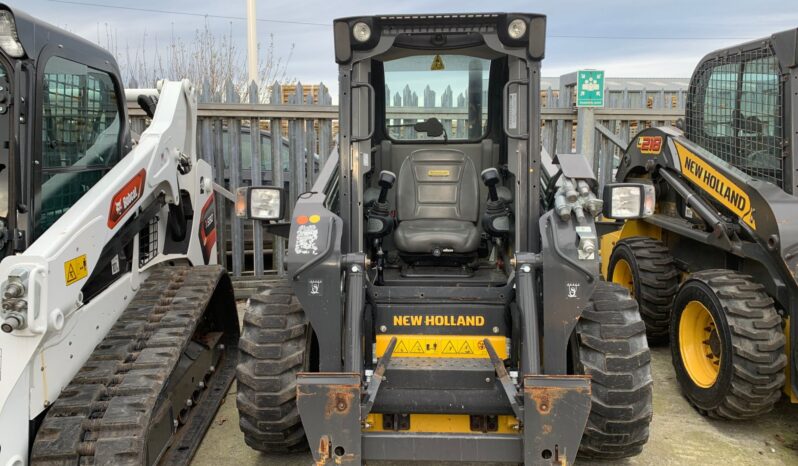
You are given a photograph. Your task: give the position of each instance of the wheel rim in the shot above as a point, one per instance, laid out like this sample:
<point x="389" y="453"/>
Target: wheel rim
<point x="699" y="343"/>
<point x="622" y="275"/>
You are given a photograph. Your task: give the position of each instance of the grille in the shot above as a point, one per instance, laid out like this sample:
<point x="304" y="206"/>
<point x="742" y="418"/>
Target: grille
<point x="735" y="112"/>
<point x="148" y="242"/>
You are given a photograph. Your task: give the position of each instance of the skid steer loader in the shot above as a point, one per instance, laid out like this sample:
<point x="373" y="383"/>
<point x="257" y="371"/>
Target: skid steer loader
<point x="119" y="335"/>
<point x="433" y="309"/>
<point x="714" y="269"/>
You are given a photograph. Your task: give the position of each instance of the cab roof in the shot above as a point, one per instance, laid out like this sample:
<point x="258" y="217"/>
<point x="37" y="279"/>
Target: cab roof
<point x="36" y="35"/>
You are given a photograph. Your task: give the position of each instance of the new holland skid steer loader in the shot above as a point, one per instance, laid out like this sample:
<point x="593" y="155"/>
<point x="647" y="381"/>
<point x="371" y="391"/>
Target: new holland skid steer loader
<point x="434" y="309"/>
<point x="715" y="267"/>
<point x="118" y="338"/>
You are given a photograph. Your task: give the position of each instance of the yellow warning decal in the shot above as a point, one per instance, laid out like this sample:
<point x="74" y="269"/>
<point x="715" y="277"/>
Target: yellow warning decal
<point x="437" y="63"/>
<point x="716" y="185"/>
<point x="438" y="321"/>
<point x="441" y="346"/>
<point x="75" y="269"/>
<point x="437" y="172"/>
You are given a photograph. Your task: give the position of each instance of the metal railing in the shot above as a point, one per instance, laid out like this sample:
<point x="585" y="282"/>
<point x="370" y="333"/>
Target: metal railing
<point x="235" y="138"/>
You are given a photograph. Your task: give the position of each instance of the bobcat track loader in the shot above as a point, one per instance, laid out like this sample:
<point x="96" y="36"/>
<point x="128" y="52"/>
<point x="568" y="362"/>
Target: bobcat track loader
<point x="118" y="333"/>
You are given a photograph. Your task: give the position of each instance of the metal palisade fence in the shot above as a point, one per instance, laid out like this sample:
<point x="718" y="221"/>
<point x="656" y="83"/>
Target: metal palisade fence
<point x="236" y="139"/>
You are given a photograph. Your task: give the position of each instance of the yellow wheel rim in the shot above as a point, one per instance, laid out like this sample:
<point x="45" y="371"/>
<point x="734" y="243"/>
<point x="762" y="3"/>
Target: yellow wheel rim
<point x="622" y="275"/>
<point x="699" y="344"/>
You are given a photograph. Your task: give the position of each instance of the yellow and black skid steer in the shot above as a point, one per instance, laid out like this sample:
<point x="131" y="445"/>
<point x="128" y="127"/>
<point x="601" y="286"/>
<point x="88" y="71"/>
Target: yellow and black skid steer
<point x="714" y="269"/>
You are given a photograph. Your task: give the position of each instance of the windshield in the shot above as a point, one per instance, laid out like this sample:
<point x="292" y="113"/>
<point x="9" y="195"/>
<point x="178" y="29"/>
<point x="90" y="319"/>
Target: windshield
<point x="451" y="88"/>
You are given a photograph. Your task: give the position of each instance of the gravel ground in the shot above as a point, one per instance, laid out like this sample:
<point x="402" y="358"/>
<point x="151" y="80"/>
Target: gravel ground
<point x="679" y="435"/>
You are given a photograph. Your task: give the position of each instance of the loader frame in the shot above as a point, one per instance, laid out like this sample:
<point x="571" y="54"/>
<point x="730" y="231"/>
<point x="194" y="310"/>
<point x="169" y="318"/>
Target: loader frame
<point x="549" y="406"/>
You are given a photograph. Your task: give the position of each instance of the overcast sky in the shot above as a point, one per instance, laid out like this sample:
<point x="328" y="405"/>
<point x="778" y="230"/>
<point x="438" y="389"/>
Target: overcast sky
<point x="626" y="39"/>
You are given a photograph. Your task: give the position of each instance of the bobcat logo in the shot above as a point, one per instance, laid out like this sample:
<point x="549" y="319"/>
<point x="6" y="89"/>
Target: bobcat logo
<point x="572" y="289"/>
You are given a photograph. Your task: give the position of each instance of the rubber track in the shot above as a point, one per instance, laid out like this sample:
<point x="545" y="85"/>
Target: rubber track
<point x="659" y="281"/>
<point x="614" y="352"/>
<point x="102" y="416"/>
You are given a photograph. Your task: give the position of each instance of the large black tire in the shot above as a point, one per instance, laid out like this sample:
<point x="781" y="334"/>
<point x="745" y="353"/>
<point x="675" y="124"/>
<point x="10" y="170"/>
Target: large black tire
<point x="747" y="345"/>
<point x="653" y="283"/>
<point x="274" y="347"/>
<point x="611" y="347"/>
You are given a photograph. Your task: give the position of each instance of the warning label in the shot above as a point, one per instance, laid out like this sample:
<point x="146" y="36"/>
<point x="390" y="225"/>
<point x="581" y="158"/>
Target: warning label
<point x="75" y="269"/>
<point x="442" y="346"/>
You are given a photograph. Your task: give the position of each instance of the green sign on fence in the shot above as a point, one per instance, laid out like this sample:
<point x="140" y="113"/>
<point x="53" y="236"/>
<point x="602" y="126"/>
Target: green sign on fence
<point x="590" y="88"/>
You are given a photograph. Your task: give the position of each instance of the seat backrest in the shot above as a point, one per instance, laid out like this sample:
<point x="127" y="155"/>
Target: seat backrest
<point x="437" y="183"/>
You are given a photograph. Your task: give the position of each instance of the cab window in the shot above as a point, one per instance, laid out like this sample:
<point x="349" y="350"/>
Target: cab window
<point x="80" y="135"/>
<point x="451" y="88"/>
<point x="741" y="115"/>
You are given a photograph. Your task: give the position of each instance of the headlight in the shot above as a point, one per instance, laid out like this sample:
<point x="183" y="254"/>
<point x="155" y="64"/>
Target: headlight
<point x="9" y="41"/>
<point x="517" y="28"/>
<point x="361" y="31"/>
<point x="262" y="203"/>
<point x="628" y="200"/>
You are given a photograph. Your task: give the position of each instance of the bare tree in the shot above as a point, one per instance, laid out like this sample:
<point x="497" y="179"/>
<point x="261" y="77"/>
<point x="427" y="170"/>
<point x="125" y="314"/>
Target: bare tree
<point x="208" y="58"/>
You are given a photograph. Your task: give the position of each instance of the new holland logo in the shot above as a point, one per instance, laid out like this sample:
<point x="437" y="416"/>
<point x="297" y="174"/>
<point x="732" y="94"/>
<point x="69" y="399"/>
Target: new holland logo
<point x="716" y="185"/>
<point x="124" y="199"/>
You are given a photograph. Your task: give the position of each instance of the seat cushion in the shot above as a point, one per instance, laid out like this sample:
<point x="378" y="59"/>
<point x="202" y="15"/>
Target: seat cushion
<point x="424" y="235"/>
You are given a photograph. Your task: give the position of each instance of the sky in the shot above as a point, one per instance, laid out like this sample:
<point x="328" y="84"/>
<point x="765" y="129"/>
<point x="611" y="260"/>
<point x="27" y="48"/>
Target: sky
<point x="626" y="39"/>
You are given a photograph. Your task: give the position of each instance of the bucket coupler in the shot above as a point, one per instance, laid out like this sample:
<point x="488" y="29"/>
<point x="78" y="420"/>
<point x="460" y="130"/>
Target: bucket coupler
<point x="552" y="414"/>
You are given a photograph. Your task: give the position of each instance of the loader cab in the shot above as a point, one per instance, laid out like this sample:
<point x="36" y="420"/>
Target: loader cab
<point x="439" y="132"/>
<point x="741" y="107"/>
<point x="63" y="124"/>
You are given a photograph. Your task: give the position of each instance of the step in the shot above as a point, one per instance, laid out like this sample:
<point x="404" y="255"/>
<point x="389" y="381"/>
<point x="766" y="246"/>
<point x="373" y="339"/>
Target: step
<point x="441" y="386"/>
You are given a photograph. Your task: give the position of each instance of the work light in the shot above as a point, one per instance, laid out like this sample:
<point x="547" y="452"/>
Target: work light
<point x="9" y="41"/>
<point x="261" y="203"/>
<point x="517" y="28"/>
<point x="628" y="200"/>
<point x="361" y="31"/>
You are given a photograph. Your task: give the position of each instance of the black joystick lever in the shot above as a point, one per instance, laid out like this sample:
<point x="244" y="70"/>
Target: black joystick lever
<point x="386" y="182"/>
<point x="490" y="176"/>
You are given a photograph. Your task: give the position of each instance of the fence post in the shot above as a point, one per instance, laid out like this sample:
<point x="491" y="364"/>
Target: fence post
<point x="310" y="147"/>
<point x="325" y="127"/>
<point x="234" y="136"/>
<point x="256" y="180"/>
<point x="585" y="134"/>
<point x="275" y="125"/>
<point x="219" y="167"/>
<point x="296" y="148"/>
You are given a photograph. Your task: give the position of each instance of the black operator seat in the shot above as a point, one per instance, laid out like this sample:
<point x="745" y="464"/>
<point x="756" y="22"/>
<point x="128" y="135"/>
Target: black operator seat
<point x="437" y="203"/>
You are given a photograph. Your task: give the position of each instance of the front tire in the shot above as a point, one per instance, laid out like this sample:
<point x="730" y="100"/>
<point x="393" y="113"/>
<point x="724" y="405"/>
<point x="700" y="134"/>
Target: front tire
<point x="727" y="345"/>
<point x="611" y="347"/>
<point x="274" y="347"/>
<point x="645" y="267"/>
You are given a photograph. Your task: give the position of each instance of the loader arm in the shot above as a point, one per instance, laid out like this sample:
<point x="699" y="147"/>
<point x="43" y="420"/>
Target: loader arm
<point x="57" y="309"/>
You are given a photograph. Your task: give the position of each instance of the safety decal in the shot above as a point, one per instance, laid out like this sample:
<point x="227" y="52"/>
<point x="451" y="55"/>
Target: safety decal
<point x="75" y="269"/>
<point x="716" y="185"/>
<point x="573" y="290"/>
<point x="307" y="240"/>
<point x="650" y="144"/>
<point x="207" y="229"/>
<point x="124" y="199"/>
<point x="409" y="346"/>
<point x="315" y="287"/>
<point x="437" y="63"/>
